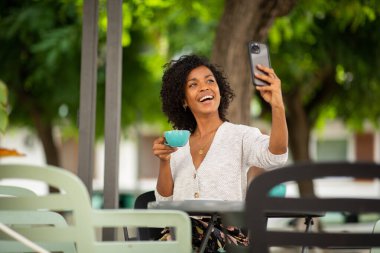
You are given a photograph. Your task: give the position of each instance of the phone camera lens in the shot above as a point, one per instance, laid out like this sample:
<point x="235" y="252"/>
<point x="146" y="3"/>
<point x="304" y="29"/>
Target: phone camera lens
<point x="255" y="48"/>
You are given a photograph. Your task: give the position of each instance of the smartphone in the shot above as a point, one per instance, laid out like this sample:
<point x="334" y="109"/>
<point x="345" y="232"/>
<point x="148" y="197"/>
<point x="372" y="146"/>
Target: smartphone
<point x="258" y="54"/>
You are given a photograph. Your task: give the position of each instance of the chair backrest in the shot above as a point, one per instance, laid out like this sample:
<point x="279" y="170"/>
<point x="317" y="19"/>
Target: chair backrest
<point x="29" y="218"/>
<point x="33" y="218"/>
<point x="258" y="204"/>
<point x="141" y="202"/>
<point x="15" y="191"/>
<point x="143" y="199"/>
<point x="73" y="200"/>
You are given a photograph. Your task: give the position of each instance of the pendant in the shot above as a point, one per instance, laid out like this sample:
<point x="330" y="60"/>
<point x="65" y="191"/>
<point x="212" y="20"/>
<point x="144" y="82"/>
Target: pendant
<point x="200" y="151"/>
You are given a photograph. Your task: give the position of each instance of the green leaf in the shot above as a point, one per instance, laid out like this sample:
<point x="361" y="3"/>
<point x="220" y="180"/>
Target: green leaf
<point x="3" y="107"/>
<point x="3" y="121"/>
<point x="3" y="94"/>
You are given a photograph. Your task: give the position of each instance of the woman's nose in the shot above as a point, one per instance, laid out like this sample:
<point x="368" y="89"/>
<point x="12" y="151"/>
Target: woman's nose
<point x="204" y="86"/>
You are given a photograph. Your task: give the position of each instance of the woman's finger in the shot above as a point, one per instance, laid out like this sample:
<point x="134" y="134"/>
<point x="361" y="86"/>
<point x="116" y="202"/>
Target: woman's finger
<point x="159" y="140"/>
<point x="265" y="69"/>
<point x="271" y="78"/>
<point x="164" y="151"/>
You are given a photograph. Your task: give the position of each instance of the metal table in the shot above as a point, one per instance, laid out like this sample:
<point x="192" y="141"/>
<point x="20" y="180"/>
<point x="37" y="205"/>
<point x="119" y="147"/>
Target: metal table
<point x="214" y="208"/>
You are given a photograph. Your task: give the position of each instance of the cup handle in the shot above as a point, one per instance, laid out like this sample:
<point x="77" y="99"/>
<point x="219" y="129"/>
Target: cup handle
<point x="166" y="143"/>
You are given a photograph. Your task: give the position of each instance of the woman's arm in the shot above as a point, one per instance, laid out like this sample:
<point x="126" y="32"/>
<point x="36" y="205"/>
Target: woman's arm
<point x="272" y="94"/>
<point x="278" y="143"/>
<point x="165" y="182"/>
<point x="252" y="173"/>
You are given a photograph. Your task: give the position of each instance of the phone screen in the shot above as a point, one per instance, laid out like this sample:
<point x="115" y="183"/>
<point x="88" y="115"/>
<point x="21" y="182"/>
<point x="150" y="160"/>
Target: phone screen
<point x="258" y="54"/>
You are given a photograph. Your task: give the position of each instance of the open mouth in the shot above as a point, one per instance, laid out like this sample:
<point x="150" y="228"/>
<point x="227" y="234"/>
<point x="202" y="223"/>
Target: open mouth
<point x="206" y="98"/>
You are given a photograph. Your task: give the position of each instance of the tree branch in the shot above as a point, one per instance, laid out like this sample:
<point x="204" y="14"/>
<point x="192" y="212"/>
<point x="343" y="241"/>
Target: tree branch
<point x="326" y="90"/>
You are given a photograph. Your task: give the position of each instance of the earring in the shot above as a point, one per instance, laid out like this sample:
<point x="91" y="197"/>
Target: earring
<point x="184" y="107"/>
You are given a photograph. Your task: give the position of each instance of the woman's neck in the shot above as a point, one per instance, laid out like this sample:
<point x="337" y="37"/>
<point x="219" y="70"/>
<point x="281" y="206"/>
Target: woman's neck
<point x="207" y="125"/>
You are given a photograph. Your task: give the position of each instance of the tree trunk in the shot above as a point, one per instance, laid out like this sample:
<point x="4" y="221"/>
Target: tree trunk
<point x="45" y="133"/>
<point x="241" y="22"/>
<point x="299" y="136"/>
<point x="299" y="127"/>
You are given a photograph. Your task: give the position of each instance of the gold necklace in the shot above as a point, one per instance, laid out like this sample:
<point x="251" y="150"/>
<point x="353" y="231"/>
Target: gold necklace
<point x="201" y="150"/>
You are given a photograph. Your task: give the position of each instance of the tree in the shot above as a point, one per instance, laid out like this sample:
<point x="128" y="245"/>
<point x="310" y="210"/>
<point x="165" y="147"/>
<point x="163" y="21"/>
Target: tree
<point x="312" y="51"/>
<point x="39" y="55"/>
<point x="241" y="22"/>
<point x="328" y="53"/>
<point x="40" y="64"/>
<point x="320" y="51"/>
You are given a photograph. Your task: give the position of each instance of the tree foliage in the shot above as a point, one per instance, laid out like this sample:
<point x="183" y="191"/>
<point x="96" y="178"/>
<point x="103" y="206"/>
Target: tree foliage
<point x="324" y="53"/>
<point x="40" y="59"/>
<point x="40" y="55"/>
<point x="3" y="107"/>
<point x="335" y="38"/>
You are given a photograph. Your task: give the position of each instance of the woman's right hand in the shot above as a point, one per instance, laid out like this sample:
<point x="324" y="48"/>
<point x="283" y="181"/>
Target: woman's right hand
<point x="161" y="150"/>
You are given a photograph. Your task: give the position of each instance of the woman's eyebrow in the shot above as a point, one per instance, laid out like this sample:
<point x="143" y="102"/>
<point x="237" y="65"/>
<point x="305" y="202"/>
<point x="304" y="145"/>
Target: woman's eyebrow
<point x="195" y="79"/>
<point x="192" y="79"/>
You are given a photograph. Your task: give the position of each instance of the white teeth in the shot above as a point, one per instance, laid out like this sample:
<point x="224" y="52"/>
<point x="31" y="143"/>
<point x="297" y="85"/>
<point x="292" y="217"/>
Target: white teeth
<point x="205" y="97"/>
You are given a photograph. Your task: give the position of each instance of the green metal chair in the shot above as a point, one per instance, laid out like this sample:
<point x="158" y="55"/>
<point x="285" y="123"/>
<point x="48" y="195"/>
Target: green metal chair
<point x="29" y="218"/>
<point x="73" y="199"/>
<point x="15" y="191"/>
<point x="376" y="229"/>
<point x="17" y="219"/>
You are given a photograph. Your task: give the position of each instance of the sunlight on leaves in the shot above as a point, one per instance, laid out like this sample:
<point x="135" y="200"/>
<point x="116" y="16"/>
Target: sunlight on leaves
<point x="3" y="107"/>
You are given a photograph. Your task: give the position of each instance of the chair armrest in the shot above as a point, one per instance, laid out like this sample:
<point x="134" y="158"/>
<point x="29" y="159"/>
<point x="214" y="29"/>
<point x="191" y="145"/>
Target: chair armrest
<point x="142" y="218"/>
<point x="146" y="218"/>
<point x="25" y="241"/>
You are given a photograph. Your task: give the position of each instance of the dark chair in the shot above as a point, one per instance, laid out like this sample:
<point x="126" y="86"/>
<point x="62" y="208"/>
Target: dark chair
<point x="258" y="204"/>
<point x="141" y="202"/>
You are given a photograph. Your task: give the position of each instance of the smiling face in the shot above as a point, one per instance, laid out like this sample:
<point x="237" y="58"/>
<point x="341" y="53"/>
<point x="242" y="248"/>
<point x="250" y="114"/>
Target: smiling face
<point x="202" y="94"/>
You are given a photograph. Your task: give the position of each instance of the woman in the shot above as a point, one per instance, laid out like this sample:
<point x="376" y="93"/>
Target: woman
<point x="214" y="164"/>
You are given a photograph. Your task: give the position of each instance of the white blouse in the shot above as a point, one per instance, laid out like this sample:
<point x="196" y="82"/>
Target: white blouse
<point x="222" y="175"/>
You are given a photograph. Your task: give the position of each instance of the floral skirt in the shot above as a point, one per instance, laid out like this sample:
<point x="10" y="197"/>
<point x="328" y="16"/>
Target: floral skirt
<point x="219" y="236"/>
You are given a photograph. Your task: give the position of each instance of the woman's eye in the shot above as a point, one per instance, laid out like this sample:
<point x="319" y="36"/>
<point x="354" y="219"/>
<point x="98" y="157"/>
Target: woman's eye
<point x="210" y="81"/>
<point x="192" y="85"/>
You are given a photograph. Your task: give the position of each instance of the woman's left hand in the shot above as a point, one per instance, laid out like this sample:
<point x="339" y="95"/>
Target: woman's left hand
<point x="271" y="93"/>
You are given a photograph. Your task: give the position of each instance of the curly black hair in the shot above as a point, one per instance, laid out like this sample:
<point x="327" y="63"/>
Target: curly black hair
<point x="173" y="92"/>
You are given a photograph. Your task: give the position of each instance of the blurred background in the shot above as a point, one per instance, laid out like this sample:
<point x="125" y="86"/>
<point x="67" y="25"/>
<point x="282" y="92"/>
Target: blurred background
<point x="326" y="53"/>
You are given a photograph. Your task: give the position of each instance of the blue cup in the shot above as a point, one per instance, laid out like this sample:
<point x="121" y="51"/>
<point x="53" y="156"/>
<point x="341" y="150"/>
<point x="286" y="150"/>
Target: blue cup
<point x="176" y="138"/>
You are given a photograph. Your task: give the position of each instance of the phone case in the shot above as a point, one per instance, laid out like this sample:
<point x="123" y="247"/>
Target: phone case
<point x="258" y="54"/>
